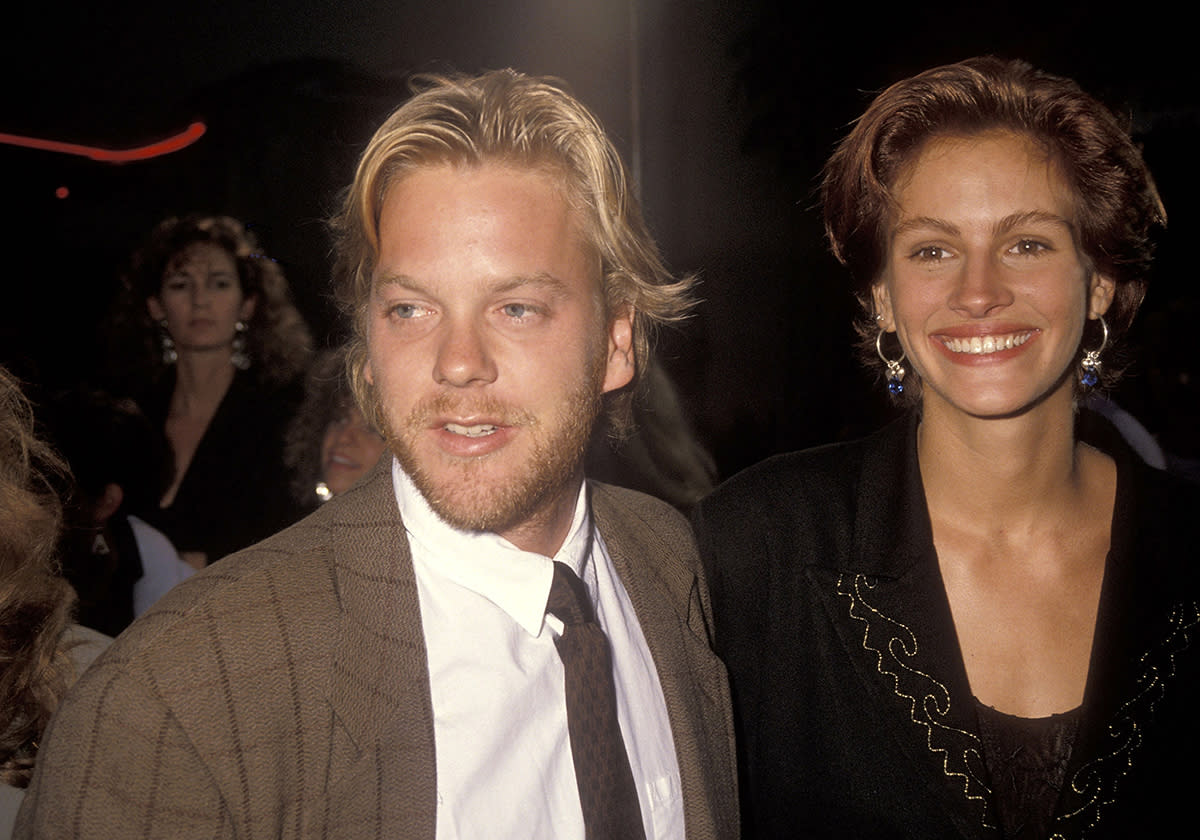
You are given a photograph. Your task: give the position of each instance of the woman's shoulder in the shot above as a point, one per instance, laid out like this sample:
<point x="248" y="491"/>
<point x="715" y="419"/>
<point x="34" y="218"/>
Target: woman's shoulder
<point x="817" y="472"/>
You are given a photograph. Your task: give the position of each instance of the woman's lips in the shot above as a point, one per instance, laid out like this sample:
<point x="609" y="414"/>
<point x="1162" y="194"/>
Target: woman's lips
<point x="976" y="346"/>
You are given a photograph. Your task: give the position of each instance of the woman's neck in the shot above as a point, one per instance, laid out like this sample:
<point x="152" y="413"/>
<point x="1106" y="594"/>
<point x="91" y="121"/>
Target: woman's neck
<point x="201" y="382"/>
<point x="1000" y="470"/>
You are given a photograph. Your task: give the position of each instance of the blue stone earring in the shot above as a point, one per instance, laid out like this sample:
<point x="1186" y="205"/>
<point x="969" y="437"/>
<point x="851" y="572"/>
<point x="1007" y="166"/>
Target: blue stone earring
<point x="1089" y="365"/>
<point x="895" y="373"/>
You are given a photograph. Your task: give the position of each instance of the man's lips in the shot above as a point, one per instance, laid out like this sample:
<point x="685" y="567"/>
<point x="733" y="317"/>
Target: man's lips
<point x="473" y="430"/>
<point x="471" y="436"/>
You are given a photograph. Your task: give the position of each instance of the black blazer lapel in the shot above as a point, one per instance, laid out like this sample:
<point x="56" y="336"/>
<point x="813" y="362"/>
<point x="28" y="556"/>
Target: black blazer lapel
<point x="890" y="609"/>
<point x="1144" y="655"/>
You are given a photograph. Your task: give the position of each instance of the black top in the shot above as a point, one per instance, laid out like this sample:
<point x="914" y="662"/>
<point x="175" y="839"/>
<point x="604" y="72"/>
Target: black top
<point x="235" y="491"/>
<point x="855" y="716"/>
<point x="1026" y="760"/>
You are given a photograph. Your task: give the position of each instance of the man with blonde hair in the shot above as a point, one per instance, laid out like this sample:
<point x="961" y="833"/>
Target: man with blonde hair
<point x="474" y="641"/>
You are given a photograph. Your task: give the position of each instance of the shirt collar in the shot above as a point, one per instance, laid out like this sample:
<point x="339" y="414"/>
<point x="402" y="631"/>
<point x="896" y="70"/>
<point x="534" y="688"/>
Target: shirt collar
<point x="516" y="581"/>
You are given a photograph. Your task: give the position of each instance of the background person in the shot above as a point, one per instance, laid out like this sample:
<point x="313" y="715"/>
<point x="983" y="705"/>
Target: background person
<point x="220" y="348"/>
<point x="973" y="623"/>
<point x="41" y="651"/>
<point x="330" y="445"/>
<point x="117" y="563"/>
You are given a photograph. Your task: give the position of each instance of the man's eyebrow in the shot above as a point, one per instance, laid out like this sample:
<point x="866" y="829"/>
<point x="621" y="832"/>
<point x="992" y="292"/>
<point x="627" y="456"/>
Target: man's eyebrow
<point x="508" y="284"/>
<point x="542" y="280"/>
<point x="400" y="280"/>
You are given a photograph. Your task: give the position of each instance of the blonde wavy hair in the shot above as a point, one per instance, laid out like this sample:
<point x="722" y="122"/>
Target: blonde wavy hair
<point x="35" y="602"/>
<point x="506" y="117"/>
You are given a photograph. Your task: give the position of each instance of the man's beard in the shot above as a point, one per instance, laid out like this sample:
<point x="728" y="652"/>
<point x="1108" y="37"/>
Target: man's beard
<point x="456" y="491"/>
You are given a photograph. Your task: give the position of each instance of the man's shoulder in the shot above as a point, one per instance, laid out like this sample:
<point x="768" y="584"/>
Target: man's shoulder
<point x="624" y="509"/>
<point x="288" y="578"/>
<point x="633" y="502"/>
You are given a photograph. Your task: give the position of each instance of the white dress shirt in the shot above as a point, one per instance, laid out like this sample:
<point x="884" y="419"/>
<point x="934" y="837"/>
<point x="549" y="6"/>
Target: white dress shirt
<point x="504" y="765"/>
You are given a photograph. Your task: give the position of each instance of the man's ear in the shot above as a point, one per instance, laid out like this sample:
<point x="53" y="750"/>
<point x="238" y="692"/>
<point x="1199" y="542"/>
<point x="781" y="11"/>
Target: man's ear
<point x="620" y="365"/>
<point x="883" y="307"/>
<point x="1101" y="291"/>
<point x="155" y="308"/>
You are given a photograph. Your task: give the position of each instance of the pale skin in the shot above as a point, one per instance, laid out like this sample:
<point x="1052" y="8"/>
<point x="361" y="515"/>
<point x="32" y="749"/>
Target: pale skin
<point x="201" y="300"/>
<point x="1021" y="511"/>
<point x="486" y="327"/>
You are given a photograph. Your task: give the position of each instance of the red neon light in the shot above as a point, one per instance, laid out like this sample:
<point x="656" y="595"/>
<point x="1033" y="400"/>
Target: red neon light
<point x="163" y="147"/>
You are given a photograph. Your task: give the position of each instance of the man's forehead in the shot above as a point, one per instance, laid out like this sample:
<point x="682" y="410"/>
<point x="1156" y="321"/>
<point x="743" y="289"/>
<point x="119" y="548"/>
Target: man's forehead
<point x="406" y="206"/>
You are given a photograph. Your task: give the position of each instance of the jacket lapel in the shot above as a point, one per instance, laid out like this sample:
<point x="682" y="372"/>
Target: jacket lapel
<point x="1145" y="630"/>
<point x="670" y="600"/>
<point x="890" y="610"/>
<point x="383" y="728"/>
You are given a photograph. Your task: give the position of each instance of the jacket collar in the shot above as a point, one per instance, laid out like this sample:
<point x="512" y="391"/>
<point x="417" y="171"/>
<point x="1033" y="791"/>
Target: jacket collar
<point x="380" y="669"/>
<point x="892" y="530"/>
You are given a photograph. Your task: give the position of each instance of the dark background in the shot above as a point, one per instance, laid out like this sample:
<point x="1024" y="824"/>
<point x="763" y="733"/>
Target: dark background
<point x="725" y="110"/>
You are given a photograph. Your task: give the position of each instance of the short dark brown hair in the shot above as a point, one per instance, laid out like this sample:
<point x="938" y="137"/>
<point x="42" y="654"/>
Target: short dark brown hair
<point x="1116" y="202"/>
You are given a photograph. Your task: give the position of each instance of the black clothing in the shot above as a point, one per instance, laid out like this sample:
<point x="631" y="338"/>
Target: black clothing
<point x="855" y="716"/>
<point x="235" y="491"/>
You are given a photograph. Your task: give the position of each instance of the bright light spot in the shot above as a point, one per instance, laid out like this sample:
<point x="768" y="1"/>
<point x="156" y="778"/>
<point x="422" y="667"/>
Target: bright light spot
<point x="62" y="192"/>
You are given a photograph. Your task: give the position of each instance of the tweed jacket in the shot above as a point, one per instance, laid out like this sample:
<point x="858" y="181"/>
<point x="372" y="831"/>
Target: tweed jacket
<point x="855" y="716"/>
<point x="284" y="691"/>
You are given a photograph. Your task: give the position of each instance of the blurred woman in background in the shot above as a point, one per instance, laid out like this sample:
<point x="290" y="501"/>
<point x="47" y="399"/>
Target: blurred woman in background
<point x="223" y="349"/>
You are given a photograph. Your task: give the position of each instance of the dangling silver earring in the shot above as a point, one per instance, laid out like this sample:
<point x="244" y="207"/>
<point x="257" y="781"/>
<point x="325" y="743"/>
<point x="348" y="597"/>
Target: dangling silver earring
<point x="169" y="354"/>
<point x="240" y="359"/>
<point x="1090" y="364"/>
<point x="895" y="373"/>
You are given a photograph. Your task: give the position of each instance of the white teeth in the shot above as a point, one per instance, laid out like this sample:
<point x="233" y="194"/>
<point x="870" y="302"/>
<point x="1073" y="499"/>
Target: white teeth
<point x="979" y="345"/>
<point x="470" y="431"/>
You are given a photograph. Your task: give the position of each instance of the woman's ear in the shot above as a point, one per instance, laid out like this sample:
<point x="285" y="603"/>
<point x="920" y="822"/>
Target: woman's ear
<point x="883" y="307"/>
<point x="155" y="308"/>
<point x="1101" y="291"/>
<point x="247" y="310"/>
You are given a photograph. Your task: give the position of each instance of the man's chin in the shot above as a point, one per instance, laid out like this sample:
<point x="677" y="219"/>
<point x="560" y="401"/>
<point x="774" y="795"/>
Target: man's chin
<point x="499" y="508"/>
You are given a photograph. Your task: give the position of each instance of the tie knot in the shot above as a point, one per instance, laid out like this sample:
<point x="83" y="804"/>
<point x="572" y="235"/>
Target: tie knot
<point x="569" y="601"/>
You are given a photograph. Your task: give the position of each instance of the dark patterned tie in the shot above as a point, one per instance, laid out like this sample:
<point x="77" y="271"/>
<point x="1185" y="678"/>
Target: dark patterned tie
<point x="606" y="788"/>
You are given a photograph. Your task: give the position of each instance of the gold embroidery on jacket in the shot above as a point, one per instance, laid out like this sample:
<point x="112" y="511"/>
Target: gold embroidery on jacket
<point x="895" y="647"/>
<point x="1097" y="780"/>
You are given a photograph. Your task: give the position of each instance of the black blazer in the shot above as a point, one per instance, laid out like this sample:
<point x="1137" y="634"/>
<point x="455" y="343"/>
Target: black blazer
<point x="855" y="717"/>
